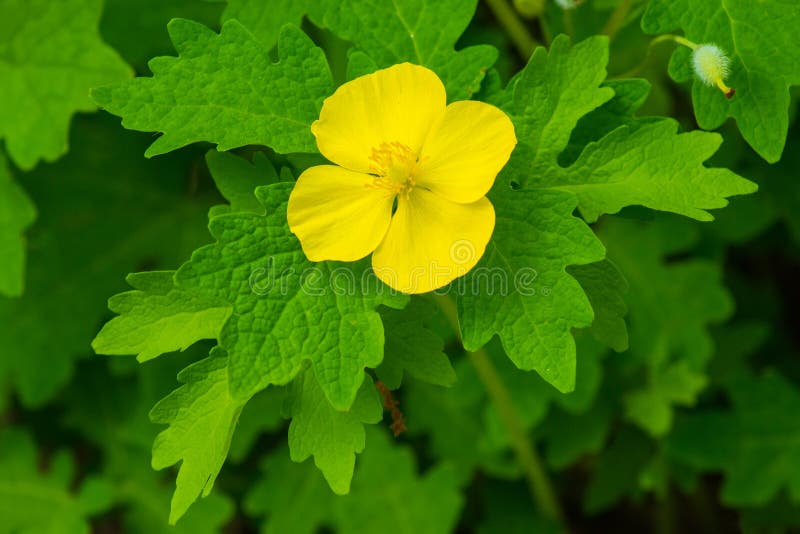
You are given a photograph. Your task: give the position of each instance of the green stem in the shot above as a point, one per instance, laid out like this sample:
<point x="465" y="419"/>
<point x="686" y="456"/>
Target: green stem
<point x="655" y="41"/>
<point x="514" y="27"/>
<point x="617" y="19"/>
<point x="538" y="481"/>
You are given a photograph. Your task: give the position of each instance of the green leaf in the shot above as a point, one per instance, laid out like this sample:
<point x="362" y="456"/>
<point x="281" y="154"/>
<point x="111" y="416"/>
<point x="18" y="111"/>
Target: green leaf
<point x="537" y="235"/>
<point x="755" y="443"/>
<point x="50" y="56"/>
<point x="646" y="164"/>
<point x="331" y="436"/>
<point x="33" y="501"/>
<point x="293" y="497"/>
<point x="223" y="88"/>
<point x="286" y="310"/>
<point x="202" y="416"/>
<point x="237" y="179"/>
<point x="413" y="349"/>
<point x="90" y="230"/>
<point x="535" y="238"/>
<point x="138" y="30"/>
<point x="606" y="287"/>
<point x="16" y="214"/>
<point x="157" y="318"/>
<point x="265" y="20"/>
<point x="652" y="166"/>
<point x="388" y="491"/>
<point x="423" y="32"/>
<point x="765" y="62"/>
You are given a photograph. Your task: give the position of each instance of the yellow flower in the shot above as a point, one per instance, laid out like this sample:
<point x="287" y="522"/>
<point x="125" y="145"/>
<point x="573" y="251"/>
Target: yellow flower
<point x="409" y="182"/>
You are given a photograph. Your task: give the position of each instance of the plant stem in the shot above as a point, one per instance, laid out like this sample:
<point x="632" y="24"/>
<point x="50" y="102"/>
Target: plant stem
<point x="538" y="481"/>
<point x="648" y="54"/>
<point x="514" y="27"/>
<point x="617" y="19"/>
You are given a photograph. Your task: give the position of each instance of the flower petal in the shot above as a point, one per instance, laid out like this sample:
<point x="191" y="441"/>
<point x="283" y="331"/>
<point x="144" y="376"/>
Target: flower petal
<point x="336" y="216"/>
<point x="463" y="154"/>
<point x="432" y="241"/>
<point x="398" y="104"/>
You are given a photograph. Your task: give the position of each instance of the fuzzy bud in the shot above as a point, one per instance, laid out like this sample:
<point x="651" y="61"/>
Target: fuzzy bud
<point x="712" y="66"/>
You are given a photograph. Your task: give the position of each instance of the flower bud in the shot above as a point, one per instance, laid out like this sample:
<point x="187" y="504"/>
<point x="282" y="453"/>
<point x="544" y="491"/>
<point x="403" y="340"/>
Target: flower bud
<point x="712" y="66"/>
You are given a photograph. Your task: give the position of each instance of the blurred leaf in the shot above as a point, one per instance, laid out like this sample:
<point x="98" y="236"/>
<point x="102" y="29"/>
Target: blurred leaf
<point x="618" y="470"/>
<point x="389" y="494"/>
<point x="756" y="443"/>
<point x="51" y="55"/>
<point x="103" y="211"/>
<point x="293" y="497"/>
<point x="17" y="213"/>
<point x="672" y="304"/>
<point x="32" y="501"/>
<point x="606" y="287"/>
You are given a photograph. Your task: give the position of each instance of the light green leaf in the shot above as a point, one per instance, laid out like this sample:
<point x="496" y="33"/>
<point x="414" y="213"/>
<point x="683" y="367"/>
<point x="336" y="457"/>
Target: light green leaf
<point x="765" y="62"/>
<point x="286" y="310"/>
<point x="157" y="318"/>
<point x="51" y="55"/>
<point x="223" y="88"/>
<point x="411" y="348"/>
<point x="16" y="214"/>
<point x="332" y="437"/>
<point x="33" y="501"/>
<point x="202" y="416"/>
<point x="756" y="443"/>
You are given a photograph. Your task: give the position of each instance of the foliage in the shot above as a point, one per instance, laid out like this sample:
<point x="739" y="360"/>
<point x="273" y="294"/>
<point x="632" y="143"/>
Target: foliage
<point x="623" y="340"/>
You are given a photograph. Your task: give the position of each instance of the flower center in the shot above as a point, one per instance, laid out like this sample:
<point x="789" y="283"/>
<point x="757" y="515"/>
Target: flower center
<point x="395" y="168"/>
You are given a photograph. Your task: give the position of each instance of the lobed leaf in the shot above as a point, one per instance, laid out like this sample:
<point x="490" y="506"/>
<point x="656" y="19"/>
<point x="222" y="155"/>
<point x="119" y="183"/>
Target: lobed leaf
<point x="223" y="88"/>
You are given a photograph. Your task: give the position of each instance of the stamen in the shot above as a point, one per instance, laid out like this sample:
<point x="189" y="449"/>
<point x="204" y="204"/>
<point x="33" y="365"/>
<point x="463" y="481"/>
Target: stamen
<point x="395" y="166"/>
